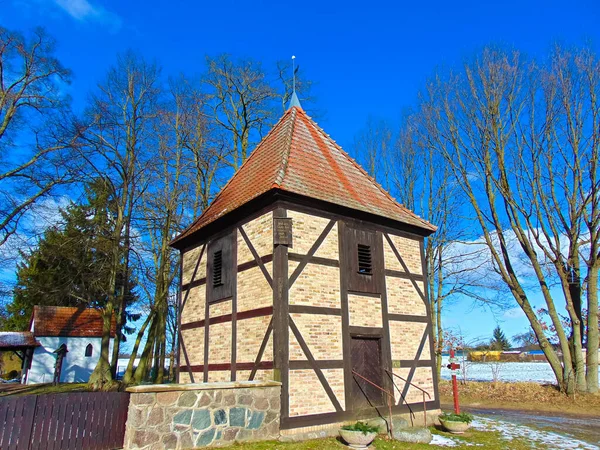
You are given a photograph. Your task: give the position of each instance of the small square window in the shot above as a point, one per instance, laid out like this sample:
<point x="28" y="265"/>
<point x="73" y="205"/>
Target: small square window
<point x="365" y="262"/>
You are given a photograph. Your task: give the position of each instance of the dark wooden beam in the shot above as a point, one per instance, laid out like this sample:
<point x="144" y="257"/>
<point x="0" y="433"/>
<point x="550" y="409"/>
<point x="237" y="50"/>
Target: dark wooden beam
<point x="365" y="331"/>
<point x="307" y="309"/>
<point x="400" y="274"/>
<point x="192" y="285"/>
<point x="365" y="294"/>
<point x="297" y="257"/>
<point x="281" y="317"/>
<point x="241" y="315"/>
<point x="321" y="364"/>
<point x="408" y="318"/>
<point x="386" y="344"/>
<point x="346" y="338"/>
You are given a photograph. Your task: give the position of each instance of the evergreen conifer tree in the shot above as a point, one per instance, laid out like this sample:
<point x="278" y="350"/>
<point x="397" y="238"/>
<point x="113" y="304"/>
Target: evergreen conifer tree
<point x="499" y="340"/>
<point x="70" y="265"/>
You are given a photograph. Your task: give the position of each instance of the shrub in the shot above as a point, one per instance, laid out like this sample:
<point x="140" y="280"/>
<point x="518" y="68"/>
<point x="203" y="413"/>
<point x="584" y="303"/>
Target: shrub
<point x="361" y="426"/>
<point x="453" y="417"/>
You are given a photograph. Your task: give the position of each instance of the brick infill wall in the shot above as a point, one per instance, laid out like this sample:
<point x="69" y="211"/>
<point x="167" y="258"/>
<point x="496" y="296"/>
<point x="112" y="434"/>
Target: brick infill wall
<point x="177" y="416"/>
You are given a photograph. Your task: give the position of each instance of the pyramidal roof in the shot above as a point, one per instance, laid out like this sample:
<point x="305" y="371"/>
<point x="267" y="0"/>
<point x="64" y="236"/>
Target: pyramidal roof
<point x="298" y="157"/>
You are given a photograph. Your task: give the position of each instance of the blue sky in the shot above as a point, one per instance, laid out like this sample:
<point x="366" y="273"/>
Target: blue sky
<point x="367" y="58"/>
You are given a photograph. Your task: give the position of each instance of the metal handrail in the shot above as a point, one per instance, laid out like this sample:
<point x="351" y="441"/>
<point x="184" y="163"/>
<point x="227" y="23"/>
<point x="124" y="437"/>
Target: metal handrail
<point x="390" y="399"/>
<point x="412" y="414"/>
<point x="424" y="392"/>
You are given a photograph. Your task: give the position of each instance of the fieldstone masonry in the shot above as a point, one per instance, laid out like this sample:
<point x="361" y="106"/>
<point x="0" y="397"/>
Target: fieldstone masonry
<point x="180" y="416"/>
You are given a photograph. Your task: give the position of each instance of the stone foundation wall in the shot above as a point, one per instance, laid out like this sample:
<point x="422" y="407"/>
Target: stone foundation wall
<point x="182" y="416"/>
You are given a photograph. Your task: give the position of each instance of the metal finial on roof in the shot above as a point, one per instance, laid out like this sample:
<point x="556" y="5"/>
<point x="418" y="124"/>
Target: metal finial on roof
<point x="294" y="101"/>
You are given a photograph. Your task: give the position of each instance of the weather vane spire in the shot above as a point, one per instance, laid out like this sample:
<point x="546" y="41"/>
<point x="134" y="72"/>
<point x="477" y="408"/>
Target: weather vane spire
<point x="294" y="100"/>
<point x="293" y="73"/>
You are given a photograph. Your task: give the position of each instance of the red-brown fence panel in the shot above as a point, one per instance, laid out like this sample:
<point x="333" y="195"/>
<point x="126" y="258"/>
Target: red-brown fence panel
<point x="16" y="418"/>
<point x="74" y="421"/>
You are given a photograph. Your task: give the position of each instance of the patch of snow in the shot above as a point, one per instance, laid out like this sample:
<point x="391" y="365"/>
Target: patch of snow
<point x="443" y="441"/>
<point x="511" y="431"/>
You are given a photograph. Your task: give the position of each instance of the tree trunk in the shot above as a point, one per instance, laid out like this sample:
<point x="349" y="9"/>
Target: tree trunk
<point x="101" y="378"/>
<point x="592" y="330"/>
<point x="121" y="316"/>
<point x="127" y="378"/>
<point x="117" y="343"/>
<point x="141" y="370"/>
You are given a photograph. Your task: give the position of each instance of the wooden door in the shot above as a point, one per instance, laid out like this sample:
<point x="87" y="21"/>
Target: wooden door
<point x="366" y="360"/>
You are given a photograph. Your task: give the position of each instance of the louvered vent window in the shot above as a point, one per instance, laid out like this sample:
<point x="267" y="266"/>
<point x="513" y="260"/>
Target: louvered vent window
<point x="365" y="262"/>
<point x="218" y="268"/>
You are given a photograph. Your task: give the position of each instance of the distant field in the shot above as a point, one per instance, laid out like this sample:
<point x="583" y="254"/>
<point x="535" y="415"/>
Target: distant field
<point x="537" y="372"/>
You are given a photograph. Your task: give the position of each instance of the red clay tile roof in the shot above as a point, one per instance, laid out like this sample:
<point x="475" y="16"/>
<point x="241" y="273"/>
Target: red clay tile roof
<point x="68" y="321"/>
<point x="17" y="339"/>
<point x="297" y="156"/>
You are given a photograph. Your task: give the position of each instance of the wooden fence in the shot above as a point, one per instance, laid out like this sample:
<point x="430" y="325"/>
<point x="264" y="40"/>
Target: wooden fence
<point x="81" y="420"/>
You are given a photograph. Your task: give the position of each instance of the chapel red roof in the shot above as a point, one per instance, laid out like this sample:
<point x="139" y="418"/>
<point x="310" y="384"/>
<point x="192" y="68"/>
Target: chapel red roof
<point x="68" y="321"/>
<point x="297" y="156"/>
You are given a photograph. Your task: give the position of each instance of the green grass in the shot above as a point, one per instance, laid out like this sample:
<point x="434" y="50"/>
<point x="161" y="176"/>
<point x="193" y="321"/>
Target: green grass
<point x="484" y="439"/>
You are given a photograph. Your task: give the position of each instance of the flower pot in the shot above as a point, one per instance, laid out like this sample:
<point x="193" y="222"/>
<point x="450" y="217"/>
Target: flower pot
<point x="357" y="439"/>
<point x="455" y="427"/>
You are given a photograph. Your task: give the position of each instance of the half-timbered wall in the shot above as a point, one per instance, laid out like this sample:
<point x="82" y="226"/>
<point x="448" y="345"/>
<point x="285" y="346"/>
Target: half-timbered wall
<point x="236" y="342"/>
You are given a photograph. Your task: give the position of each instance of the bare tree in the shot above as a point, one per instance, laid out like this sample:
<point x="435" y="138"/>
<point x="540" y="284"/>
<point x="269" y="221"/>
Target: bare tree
<point x="180" y="180"/>
<point x="37" y="129"/>
<point x="241" y="102"/>
<point x="422" y="181"/>
<point x="515" y="135"/>
<point x="372" y="147"/>
<point x="117" y="150"/>
<point x="200" y="138"/>
<point x="170" y="180"/>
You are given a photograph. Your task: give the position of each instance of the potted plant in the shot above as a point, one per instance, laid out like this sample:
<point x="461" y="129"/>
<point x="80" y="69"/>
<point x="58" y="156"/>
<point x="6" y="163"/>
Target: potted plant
<point x="359" y="435"/>
<point x="456" y="423"/>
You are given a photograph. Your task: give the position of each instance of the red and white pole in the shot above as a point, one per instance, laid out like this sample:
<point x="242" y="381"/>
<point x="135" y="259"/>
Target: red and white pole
<point x="454" y="368"/>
